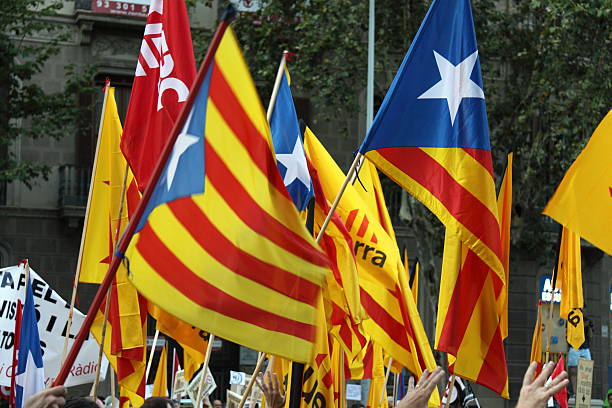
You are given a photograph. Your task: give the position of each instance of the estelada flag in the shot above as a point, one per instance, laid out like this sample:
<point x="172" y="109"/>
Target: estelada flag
<point x="163" y="77"/>
<point x="431" y="132"/>
<point x="583" y="200"/>
<point x="394" y="321"/>
<point x="221" y="245"/>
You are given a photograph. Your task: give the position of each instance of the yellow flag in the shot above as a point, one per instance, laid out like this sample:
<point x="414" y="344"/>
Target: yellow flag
<point x="569" y="280"/>
<point x="193" y="340"/>
<point x="536" y="340"/>
<point x="160" y="384"/>
<point x="369" y="188"/>
<point x="504" y="209"/>
<point x="583" y="200"/>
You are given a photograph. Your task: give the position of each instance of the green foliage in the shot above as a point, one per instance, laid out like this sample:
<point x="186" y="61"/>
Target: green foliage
<point x="26" y="110"/>
<point x="545" y="66"/>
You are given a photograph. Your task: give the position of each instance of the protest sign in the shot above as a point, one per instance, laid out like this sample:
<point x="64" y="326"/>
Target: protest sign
<point x="209" y="385"/>
<point x="584" y="380"/>
<point x="52" y="316"/>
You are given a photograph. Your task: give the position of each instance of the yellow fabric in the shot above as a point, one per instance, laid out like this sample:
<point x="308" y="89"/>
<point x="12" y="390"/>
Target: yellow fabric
<point x="583" y="200"/>
<point x="98" y="244"/>
<point x="377" y="384"/>
<point x="536" y="339"/>
<point x="160" y="384"/>
<point x="472" y="351"/>
<point x="192" y="340"/>
<point x="243" y="154"/>
<point x="504" y="207"/>
<point x="380" y="268"/>
<point x="369" y="188"/>
<point x="569" y="280"/>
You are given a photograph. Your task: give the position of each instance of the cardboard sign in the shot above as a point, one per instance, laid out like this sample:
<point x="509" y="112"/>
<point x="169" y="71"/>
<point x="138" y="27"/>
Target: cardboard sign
<point x="209" y="386"/>
<point x="180" y="385"/>
<point x="52" y="314"/>
<point x="237" y="378"/>
<point x="353" y="392"/>
<point x="584" y="383"/>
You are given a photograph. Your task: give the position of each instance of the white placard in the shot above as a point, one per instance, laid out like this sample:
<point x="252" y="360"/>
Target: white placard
<point x="237" y="378"/>
<point x="52" y="313"/>
<point x="353" y="392"/>
<point x="209" y="386"/>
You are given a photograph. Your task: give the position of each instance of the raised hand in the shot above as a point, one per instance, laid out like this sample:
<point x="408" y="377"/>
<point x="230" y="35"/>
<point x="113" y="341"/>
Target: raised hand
<point x="272" y="389"/>
<point x="535" y="393"/>
<point x="418" y="395"/>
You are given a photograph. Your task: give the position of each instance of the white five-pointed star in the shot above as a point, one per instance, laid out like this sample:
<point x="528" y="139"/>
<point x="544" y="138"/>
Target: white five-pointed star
<point x="183" y="142"/>
<point x="455" y="83"/>
<point x="295" y="162"/>
<point x="32" y="380"/>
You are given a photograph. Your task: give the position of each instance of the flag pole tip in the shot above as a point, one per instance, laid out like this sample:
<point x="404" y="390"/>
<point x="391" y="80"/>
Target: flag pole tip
<point x="229" y="14"/>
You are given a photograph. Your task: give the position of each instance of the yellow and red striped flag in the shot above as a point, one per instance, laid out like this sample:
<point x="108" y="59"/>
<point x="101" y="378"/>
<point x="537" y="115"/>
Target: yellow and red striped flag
<point x="221" y="245"/>
<point x="472" y="307"/>
<point x="393" y="322"/>
<point x="467" y="326"/>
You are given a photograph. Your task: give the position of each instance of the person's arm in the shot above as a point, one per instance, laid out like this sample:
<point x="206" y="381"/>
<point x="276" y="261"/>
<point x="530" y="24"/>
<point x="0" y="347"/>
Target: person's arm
<point x="418" y="395"/>
<point x="535" y="392"/>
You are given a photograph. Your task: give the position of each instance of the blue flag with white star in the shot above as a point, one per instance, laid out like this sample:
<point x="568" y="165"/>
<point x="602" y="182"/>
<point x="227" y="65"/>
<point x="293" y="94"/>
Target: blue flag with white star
<point x="436" y="98"/>
<point x="289" y="147"/>
<point x="30" y="377"/>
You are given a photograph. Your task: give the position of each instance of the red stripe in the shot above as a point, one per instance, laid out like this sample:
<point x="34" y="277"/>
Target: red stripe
<point x="238" y="120"/>
<point x="253" y="215"/>
<point x="237" y="260"/>
<point x="351" y="219"/>
<point x="494" y="372"/>
<point x="346" y="335"/>
<point x="368" y="362"/>
<point x="363" y="227"/>
<point x="467" y="290"/>
<point x="483" y="157"/>
<point x="460" y="202"/>
<point x="374" y="239"/>
<point x="378" y="314"/>
<point x="319" y="358"/>
<point x="208" y="296"/>
<point x="408" y="325"/>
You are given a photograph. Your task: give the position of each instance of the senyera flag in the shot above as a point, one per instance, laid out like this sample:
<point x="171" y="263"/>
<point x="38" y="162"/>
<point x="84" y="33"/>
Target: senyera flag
<point x="431" y="136"/>
<point x="221" y="245"/>
<point x="268" y="228"/>
<point x="164" y="74"/>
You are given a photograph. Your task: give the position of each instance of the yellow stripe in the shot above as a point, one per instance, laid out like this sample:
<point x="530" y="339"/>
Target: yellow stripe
<point x="237" y="158"/>
<point x="432" y="202"/>
<point x="178" y="240"/>
<point x="468" y="172"/>
<point x="225" y="220"/>
<point x="150" y="284"/>
<point x="231" y="63"/>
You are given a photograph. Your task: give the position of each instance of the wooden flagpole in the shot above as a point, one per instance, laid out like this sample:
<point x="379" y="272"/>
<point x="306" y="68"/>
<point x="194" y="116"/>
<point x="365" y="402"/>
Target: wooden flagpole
<point x="277" y="82"/>
<point x="450" y="390"/>
<point x="211" y="340"/>
<point x="94" y="388"/>
<point x="151" y="354"/>
<point x="249" y="388"/>
<point x="77" y="273"/>
<point x="395" y="388"/>
<point x="345" y="183"/>
<point x="384" y="390"/>
<point x="135" y="220"/>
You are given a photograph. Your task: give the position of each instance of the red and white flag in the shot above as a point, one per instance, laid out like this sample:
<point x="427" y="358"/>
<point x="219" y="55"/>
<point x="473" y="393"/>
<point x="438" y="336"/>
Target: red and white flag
<point x="164" y="74"/>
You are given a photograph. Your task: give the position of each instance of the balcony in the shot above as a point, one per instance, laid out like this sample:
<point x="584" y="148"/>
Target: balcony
<point x="73" y="193"/>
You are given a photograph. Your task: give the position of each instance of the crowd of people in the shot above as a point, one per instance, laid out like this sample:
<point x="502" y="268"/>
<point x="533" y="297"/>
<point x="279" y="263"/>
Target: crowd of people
<point x="535" y="392"/>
